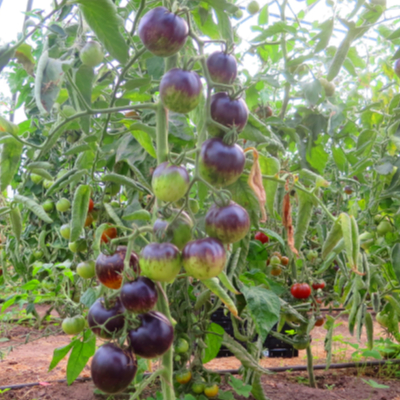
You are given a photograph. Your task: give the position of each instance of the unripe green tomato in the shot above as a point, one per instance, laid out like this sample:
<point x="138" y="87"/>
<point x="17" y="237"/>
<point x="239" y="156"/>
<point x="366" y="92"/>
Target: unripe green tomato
<point x="91" y="54"/>
<point x="115" y="204"/>
<point x="329" y="87"/>
<point x="378" y="218"/>
<point x="194" y="206"/>
<point x="79" y="246"/>
<point x="182" y="346"/>
<point x="177" y="358"/>
<point x="35" y="178"/>
<point x="275" y="260"/>
<point x="238" y="14"/>
<point x="253" y="8"/>
<point x="383" y="319"/>
<point x="384" y="227"/>
<point x="106" y="198"/>
<point x="63" y="205"/>
<point x="86" y="269"/>
<point x="74" y="325"/>
<point x="312" y="255"/>
<point x="65" y="231"/>
<point x="38" y="254"/>
<point x="198" y="387"/>
<point x="72" y="137"/>
<point x="47" y="183"/>
<point x="48" y="206"/>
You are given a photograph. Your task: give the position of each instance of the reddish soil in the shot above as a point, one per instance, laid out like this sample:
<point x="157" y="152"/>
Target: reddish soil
<point x="28" y="362"/>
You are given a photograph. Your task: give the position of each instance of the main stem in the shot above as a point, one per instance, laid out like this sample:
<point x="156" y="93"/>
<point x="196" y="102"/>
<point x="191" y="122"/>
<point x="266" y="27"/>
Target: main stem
<point x="310" y="368"/>
<point x="162" y="305"/>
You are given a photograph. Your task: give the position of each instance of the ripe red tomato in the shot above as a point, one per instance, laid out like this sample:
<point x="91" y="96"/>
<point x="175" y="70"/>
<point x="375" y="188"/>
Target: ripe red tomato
<point x="91" y="205"/>
<point x="184" y="377"/>
<point x="301" y="290"/>
<point x="318" y="285"/>
<point x="284" y="260"/>
<point x="109" y="233"/>
<point x="261" y="237"/>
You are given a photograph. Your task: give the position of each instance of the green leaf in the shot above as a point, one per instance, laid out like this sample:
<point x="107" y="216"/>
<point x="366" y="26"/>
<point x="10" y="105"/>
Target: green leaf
<point x="374" y="384"/>
<point x="10" y="157"/>
<point x="31" y="205"/>
<point x="395" y="35"/>
<point x="155" y="67"/>
<point x="81" y="352"/>
<point x="224" y="26"/>
<point x="112" y="214"/>
<point x="324" y="36"/>
<point x="318" y="158"/>
<point x="263" y="16"/>
<point x="31" y="285"/>
<point x="89" y="297"/>
<point x="58" y="354"/>
<point x="80" y="206"/>
<point x="270" y="166"/>
<point x="213" y="342"/>
<point x="84" y="78"/>
<point x="272" y="234"/>
<point x="16" y="222"/>
<point x="264" y="307"/>
<point x="124" y="180"/>
<point x="145" y="141"/>
<point x="102" y="17"/>
<point x="339" y="157"/>
<point x="6" y="53"/>
<point x="43" y="173"/>
<point x="312" y="91"/>
<point x="240" y="387"/>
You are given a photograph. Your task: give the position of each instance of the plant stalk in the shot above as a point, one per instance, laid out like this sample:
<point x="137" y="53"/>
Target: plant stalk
<point x="310" y="368"/>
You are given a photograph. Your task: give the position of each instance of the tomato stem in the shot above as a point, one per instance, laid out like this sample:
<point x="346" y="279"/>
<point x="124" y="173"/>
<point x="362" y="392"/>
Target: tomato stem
<point x="310" y="368"/>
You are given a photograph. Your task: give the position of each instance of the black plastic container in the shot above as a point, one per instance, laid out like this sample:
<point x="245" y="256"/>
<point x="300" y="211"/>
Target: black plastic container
<point x="273" y="347"/>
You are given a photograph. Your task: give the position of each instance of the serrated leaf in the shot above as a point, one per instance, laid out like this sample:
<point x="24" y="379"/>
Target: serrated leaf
<point x="240" y="387"/>
<point x="312" y="91"/>
<point x="80" y="206"/>
<point x="102" y="17"/>
<point x="31" y="205"/>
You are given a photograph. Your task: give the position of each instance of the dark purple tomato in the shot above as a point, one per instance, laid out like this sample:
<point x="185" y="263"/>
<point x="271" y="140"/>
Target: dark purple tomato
<point x="160" y="262"/>
<point x="170" y="182"/>
<point x="109" y="267"/>
<point x="162" y="32"/>
<point x="204" y="258"/>
<point x="180" y="90"/>
<point x="140" y="295"/>
<point x="153" y="337"/>
<point x="177" y="233"/>
<point x="221" y="164"/>
<point x="228" y="112"/>
<point x="229" y="224"/>
<point x="222" y="67"/>
<point x="112" y="318"/>
<point x="397" y="67"/>
<point x="113" y="369"/>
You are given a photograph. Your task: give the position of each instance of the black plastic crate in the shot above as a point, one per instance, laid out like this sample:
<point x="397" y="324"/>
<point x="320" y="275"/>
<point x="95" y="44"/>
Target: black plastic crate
<point x="273" y="347"/>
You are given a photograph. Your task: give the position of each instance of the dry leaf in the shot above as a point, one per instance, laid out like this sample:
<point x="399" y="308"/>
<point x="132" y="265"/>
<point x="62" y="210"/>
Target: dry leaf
<point x="256" y="183"/>
<point x="287" y="222"/>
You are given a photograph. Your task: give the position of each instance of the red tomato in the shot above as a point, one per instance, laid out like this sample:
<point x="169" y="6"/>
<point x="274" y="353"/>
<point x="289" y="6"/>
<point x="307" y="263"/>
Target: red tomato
<point x="261" y="237"/>
<point x="91" y="205"/>
<point x="319" y="321"/>
<point x="318" y="285"/>
<point x="301" y="290"/>
<point x="109" y="233"/>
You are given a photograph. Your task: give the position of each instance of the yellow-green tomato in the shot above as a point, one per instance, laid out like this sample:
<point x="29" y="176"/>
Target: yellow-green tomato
<point x="74" y="325"/>
<point x="63" y="205"/>
<point x="65" y="231"/>
<point x="35" y="178"/>
<point x="86" y="269"/>
<point x="48" y="206"/>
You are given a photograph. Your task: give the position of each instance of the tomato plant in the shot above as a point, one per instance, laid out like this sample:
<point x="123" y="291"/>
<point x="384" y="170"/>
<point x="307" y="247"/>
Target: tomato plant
<point x="140" y="136"/>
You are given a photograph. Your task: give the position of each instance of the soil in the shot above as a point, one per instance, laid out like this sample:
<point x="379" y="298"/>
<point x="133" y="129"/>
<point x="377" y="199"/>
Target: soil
<point x="27" y="354"/>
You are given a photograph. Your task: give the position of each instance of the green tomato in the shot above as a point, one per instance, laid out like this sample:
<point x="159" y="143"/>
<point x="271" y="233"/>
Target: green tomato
<point x="48" y="206"/>
<point x="72" y="136"/>
<point x="63" y="205"/>
<point x="86" y="269"/>
<point x="198" y="387"/>
<point x="275" y="260"/>
<point x="38" y="254"/>
<point x="384" y="227"/>
<point x="74" y="325"/>
<point x="114" y="204"/>
<point x="47" y="183"/>
<point x="182" y="346"/>
<point x="253" y="8"/>
<point x="36" y="178"/>
<point x="106" y="198"/>
<point x="383" y="319"/>
<point x="65" y="231"/>
<point x="91" y="54"/>
<point x="79" y="246"/>
<point x="238" y="14"/>
<point x="312" y="255"/>
<point x="301" y="342"/>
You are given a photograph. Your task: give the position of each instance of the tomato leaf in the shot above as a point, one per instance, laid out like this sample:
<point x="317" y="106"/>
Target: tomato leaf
<point x="31" y="205"/>
<point x="89" y="297"/>
<point x="396" y="260"/>
<point x="213" y="342"/>
<point x="240" y="387"/>
<point x="81" y="352"/>
<point x="10" y="158"/>
<point x="58" y="354"/>
<point x="264" y="307"/>
<point x="80" y="206"/>
<point x="102" y="17"/>
<point x="84" y="78"/>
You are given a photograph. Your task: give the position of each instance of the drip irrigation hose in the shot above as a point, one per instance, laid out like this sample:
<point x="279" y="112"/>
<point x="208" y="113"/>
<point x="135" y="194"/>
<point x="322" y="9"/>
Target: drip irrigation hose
<point x="236" y="371"/>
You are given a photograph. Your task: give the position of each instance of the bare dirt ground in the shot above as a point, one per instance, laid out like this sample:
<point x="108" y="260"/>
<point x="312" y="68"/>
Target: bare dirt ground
<point x="29" y="362"/>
